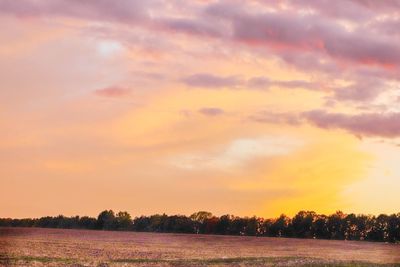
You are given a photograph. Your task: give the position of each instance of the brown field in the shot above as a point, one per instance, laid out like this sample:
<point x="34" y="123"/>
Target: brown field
<point x="56" y="247"/>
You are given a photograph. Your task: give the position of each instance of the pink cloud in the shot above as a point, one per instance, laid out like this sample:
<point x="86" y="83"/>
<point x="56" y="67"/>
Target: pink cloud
<point x="211" y="111"/>
<point x="207" y="80"/>
<point x="282" y="32"/>
<point x="190" y="27"/>
<point x="112" y="92"/>
<point x="370" y="124"/>
<point x="276" y="118"/>
<point x="119" y="11"/>
<point x="363" y="90"/>
<point x="366" y="124"/>
<point x="212" y="81"/>
<point x="387" y="5"/>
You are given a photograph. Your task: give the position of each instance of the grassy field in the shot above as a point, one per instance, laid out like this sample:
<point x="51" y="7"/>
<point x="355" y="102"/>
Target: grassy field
<point x="57" y="247"/>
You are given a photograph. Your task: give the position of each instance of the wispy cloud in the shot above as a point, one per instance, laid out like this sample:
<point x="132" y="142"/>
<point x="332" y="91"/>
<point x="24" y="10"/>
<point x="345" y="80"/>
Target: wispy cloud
<point x="363" y="124"/>
<point x="206" y="80"/>
<point x="212" y="81"/>
<point x="113" y="91"/>
<point x="366" y="124"/>
<point x="211" y="111"/>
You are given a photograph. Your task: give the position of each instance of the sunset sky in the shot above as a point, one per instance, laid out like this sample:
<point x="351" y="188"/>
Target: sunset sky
<point x="242" y="107"/>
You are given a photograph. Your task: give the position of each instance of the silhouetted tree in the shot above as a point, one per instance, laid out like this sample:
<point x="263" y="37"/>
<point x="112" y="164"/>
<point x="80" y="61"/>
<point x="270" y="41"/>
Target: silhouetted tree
<point x="199" y="219"/>
<point x="336" y="225"/>
<point x="86" y="222"/>
<point x="281" y="227"/>
<point x="393" y="228"/>
<point x="141" y="224"/>
<point x="320" y="227"/>
<point x="252" y="226"/>
<point x="302" y="224"/>
<point x="123" y="221"/>
<point x="223" y="224"/>
<point x="211" y="225"/>
<point x="379" y="230"/>
<point x="106" y="220"/>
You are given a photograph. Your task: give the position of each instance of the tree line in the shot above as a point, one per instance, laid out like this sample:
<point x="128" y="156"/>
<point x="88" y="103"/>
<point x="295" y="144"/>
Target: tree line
<point x="305" y="224"/>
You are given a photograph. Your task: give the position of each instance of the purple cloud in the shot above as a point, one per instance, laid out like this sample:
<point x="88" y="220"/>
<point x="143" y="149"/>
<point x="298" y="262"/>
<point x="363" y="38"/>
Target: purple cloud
<point x="389" y="26"/>
<point x="276" y="118"/>
<point x="290" y="32"/>
<point x="366" y="124"/>
<point x="207" y="80"/>
<point x="119" y="11"/>
<point x="264" y="82"/>
<point x="298" y="84"/>
<point x="347" y="9"/>
<point x="211" y="111"/>
<point x="191" y="26"/>
<point x="112" y="92"/>
<point x="259" y="82"/>
<point x="282" y="32"/>
<point x="386" y="6"/>
<point x="211" y="81"/>
<point x="364" y="90"/>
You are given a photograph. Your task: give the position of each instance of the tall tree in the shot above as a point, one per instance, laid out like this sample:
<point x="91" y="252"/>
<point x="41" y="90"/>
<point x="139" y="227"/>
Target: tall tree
<point x="106" y="220"/>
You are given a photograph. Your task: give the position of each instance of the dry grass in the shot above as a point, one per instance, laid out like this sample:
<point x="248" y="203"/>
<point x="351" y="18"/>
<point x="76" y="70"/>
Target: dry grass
<point x="56" y="247"/>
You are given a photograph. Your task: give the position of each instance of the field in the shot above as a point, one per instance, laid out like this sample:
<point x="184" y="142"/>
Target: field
<point x="57" y="247"/>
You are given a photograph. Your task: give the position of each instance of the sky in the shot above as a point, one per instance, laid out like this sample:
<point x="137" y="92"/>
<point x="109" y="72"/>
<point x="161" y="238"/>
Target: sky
<point x="235" y="107"/>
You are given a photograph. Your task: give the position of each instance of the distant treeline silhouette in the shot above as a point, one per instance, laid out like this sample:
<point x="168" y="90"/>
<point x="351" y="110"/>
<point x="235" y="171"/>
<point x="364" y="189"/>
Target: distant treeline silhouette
<point x="305" y="224"/>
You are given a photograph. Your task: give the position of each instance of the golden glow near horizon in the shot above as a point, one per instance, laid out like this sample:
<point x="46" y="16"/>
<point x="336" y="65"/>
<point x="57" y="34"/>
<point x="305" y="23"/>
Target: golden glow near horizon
<point x="176" y="108"/>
